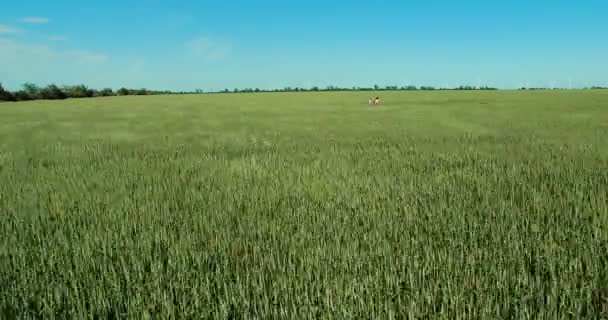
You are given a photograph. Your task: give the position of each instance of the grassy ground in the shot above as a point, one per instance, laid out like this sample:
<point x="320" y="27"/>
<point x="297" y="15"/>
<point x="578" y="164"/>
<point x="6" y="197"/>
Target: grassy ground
<point x="441" y="204"/>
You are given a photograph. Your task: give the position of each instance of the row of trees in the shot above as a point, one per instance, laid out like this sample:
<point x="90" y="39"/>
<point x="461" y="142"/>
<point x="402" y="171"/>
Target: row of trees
<point x="585" y="88"/>
<point x="336" y="88"/>
<point x="31" y="91"/>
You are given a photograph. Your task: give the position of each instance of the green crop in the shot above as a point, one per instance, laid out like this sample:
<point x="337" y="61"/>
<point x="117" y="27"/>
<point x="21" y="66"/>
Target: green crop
<point x="306" y="205"/>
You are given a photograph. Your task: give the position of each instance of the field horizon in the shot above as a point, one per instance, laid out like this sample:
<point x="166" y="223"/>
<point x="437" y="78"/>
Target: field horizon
<point x="447" y="204"/>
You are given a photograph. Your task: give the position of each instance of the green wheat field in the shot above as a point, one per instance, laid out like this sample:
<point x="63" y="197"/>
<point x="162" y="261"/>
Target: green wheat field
<point x="449" y="205"/>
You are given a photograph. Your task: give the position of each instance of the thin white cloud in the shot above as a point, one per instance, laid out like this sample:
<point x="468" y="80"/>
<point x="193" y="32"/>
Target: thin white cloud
<point x="137" y="65"/>
<point x="86" y="57"/>
<point x="205" y="48"/>
<point x="43" y="64"/>
<point x="57" y="38"/>
<point x="11" y="50"/>
<point x="36" y="20"/>
<point x="4" y="29"/>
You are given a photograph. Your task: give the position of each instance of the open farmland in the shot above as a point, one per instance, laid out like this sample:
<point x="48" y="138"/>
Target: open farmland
<point x="439" y="204"/>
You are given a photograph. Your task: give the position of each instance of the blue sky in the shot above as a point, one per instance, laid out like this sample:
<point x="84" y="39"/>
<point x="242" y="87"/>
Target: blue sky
<point x="216" y="44"/>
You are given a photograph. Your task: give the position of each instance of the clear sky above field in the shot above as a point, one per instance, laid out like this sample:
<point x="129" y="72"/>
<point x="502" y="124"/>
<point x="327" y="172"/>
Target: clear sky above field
<point x="226" y="44"/>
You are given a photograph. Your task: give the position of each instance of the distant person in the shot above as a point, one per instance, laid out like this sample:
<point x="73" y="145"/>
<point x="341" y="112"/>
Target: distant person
<point x="377" y="101"/>
<point x="370" y="101"/>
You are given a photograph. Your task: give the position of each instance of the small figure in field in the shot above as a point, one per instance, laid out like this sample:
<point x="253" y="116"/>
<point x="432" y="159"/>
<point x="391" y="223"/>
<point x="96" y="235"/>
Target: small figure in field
<point x="377" y="101"/>
<point x="370" y="101"/>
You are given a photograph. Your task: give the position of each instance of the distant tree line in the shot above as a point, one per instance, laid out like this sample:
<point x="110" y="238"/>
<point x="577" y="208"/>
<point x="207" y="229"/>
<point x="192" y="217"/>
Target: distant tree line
<point x="31" y="91"/>
<point x="337" y="88"/>
<point x="543" y="88"/>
